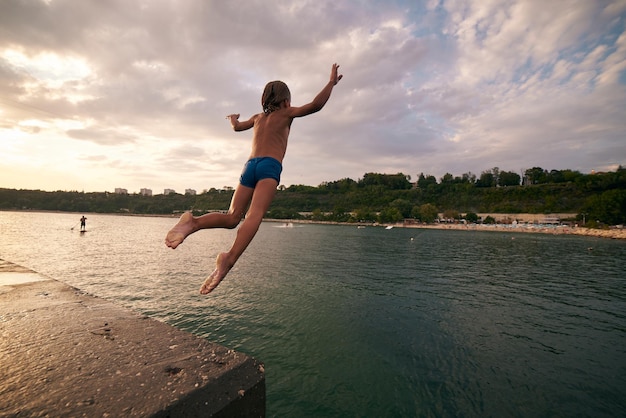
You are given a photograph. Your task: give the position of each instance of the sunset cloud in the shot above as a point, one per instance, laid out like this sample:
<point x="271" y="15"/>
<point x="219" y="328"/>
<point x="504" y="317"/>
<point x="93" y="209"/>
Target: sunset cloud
<point x="98" y="95"/>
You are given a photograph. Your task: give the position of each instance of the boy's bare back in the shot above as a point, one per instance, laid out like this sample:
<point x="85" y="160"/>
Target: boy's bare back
<point x="271" y="132"/>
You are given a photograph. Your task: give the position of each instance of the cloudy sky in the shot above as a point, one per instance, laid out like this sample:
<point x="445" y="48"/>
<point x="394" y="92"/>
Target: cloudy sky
<point x="99" y="94"/>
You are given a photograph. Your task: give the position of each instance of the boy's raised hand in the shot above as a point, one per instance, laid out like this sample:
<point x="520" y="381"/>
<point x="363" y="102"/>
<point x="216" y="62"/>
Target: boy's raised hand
<point x="334" y="76"/>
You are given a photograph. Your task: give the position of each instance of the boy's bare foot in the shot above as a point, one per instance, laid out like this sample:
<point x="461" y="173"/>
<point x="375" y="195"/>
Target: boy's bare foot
<point x="222" y="267"/>
<point x="180" y="231"/>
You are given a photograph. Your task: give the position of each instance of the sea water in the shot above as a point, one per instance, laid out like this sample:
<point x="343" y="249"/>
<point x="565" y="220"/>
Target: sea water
<point x="370" y="322"/>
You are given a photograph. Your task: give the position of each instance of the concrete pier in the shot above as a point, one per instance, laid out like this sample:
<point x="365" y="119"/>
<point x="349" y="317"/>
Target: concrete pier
<point x="66" y="353"/>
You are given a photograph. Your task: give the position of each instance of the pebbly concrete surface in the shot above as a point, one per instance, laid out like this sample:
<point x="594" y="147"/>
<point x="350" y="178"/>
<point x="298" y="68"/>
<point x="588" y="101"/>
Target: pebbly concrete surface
<point x="66" y="353"/>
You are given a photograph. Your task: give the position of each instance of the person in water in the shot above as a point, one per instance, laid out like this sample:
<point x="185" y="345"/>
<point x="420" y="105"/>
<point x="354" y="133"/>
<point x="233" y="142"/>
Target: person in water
<point x="260" y="177"/>
<point x="83" y="223"/>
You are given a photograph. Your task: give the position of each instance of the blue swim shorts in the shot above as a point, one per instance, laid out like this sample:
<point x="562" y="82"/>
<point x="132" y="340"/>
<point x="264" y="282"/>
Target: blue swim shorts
<point x="260" y="168"/>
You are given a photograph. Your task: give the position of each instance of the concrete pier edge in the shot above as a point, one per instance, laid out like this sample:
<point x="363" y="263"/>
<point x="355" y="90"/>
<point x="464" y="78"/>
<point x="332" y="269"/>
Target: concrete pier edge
<point x="66" y="353"/>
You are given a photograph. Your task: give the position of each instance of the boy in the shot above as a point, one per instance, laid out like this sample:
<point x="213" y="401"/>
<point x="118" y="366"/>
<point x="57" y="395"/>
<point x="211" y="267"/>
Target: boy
<point x="260" y="176"/>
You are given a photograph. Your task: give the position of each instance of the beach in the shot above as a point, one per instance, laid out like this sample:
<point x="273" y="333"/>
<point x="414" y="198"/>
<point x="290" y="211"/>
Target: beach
<point x="613" y="233"/>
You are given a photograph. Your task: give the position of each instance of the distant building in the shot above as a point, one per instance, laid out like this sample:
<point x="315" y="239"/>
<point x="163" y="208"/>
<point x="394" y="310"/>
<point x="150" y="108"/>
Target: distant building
<point x="168" y="191"/>
<point x="190" y="191"/>
<point x="145" y="192"/>
<point x="120" y="191"/>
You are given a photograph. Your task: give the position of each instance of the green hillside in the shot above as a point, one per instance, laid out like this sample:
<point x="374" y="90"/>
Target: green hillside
<point x="600" y="197"/>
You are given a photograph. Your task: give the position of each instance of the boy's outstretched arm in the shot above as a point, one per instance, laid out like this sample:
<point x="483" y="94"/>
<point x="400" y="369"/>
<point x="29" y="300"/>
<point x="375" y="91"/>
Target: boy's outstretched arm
<point x="322" y="97"/>
<point x="240" y="126"/>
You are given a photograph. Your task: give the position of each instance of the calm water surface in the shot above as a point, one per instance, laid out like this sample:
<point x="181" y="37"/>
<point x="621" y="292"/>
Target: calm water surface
<point x="371" y="322"/>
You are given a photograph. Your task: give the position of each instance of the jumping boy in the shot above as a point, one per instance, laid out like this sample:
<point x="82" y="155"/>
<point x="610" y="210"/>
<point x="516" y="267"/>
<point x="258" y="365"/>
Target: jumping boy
<point x="260" y="176"/>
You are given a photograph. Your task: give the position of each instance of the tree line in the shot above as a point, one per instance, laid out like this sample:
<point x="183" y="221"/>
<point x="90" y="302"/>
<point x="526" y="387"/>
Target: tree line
<point x="597" y="197"/>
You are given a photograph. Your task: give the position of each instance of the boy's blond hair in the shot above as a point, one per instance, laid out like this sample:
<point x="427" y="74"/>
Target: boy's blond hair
<point x="275" y="92"/>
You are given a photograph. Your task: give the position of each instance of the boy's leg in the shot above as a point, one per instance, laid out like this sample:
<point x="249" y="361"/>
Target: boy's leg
<point x="188" y="224"/>
<point x="262" y="197"/>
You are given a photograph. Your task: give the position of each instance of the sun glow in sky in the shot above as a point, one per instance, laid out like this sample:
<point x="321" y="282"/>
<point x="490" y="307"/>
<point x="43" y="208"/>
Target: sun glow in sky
<point x="98" y="95"/>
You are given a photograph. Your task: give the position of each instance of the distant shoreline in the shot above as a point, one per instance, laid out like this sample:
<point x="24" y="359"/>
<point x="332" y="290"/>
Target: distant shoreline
<point x="613" y="233"/>
<point x="534" y="229"/>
